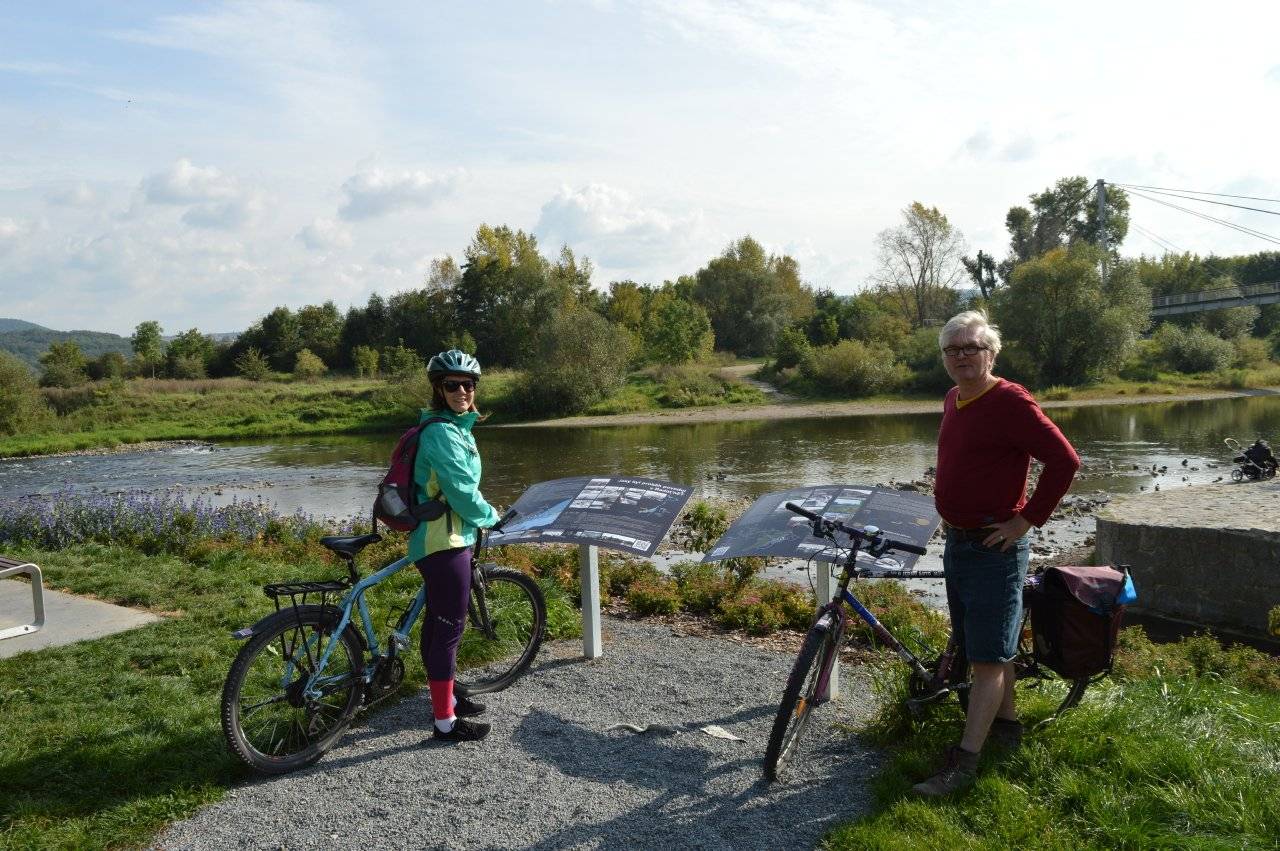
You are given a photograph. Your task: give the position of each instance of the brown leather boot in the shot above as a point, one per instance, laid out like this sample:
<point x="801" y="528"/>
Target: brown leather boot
<point x="959" y="772"/>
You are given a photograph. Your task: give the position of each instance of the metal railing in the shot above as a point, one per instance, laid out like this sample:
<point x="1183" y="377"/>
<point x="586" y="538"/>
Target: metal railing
<point x="8" y="568"/>
<point x="1221" y="294"/>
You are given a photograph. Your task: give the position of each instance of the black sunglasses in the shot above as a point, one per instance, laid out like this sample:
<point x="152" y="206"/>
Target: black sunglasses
<point x="452" y="386"/>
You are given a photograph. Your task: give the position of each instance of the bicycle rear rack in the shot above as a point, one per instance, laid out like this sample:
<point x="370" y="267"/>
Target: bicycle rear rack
<point x="299" y="592"/>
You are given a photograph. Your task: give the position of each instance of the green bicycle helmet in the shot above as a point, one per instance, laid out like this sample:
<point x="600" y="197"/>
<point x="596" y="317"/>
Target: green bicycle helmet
<point x="453" y="361"/>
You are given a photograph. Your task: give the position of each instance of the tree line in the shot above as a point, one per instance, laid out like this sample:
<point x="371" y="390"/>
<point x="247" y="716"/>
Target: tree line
<point x="1071" y="308"/>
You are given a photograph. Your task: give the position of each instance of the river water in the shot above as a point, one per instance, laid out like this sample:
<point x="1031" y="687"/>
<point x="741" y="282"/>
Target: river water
<point x="336" y="476"/>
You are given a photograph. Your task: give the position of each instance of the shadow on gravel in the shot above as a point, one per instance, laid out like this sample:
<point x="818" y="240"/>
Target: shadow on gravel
<point x="705" y="792"/>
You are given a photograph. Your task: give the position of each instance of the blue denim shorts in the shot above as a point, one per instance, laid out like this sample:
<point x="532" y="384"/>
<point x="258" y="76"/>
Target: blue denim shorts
<point x="984" y="594"/>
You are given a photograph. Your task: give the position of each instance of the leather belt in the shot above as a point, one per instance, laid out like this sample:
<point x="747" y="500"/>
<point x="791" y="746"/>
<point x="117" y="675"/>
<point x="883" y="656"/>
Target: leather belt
<point x="976" y="535"/>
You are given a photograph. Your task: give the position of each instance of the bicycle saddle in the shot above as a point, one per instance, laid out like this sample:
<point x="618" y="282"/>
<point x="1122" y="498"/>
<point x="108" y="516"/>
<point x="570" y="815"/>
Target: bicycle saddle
<point x="349" y="547"/>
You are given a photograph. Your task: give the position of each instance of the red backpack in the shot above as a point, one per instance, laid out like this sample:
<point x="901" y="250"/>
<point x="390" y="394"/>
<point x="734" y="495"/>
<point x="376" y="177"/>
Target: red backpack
<point x="396" y="505"/>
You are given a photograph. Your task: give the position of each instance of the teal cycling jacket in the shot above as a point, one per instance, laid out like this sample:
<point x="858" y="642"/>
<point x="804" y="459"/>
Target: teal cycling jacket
<point x="448" y="463"/>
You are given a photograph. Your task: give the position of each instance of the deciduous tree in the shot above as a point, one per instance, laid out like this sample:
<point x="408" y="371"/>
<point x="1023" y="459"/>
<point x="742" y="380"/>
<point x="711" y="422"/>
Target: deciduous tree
<point x="919" y="264"/>
<point x="750" y="296"/>
<point x="148" y="346"/>
<point x="1066" y="326"/>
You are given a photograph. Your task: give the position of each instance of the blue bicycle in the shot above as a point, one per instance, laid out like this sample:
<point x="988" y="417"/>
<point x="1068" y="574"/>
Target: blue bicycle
<point x="308" y="668"/>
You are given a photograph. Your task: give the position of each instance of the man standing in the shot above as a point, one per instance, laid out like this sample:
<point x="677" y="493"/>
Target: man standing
<point x="991" y="429"/>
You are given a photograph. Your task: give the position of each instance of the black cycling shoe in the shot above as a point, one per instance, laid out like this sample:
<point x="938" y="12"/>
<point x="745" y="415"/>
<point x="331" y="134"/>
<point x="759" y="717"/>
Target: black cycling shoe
<point x="463" y="731"/>
<point x="466" y="707"/>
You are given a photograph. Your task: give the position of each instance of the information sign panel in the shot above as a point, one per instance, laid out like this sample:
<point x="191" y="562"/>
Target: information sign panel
<point x="621" y="513"/>
<point x="769" y="529"/>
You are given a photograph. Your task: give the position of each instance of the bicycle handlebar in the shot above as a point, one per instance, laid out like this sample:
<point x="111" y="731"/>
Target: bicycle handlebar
<point x="858" y="535"/>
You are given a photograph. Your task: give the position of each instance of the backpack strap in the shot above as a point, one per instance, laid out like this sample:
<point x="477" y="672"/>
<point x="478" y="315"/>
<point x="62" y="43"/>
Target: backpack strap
<point x="421" y="511"/>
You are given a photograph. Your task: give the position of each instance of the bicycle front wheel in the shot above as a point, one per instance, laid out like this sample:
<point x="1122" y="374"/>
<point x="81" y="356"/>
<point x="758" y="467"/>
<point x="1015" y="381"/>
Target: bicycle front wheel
<point x="797" y="699"/>
<point x="506" y="622"/>
<point x="267" y="719"/>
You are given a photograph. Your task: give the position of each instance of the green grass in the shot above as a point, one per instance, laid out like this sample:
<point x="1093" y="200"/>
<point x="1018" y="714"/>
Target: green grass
<point x="1148" y="760"/>
<point x="108" y="414"/>
<point x="106" y="741"/>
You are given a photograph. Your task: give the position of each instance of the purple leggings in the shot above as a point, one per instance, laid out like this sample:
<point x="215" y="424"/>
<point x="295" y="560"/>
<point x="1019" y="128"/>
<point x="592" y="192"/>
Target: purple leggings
<point x="447" y="575"/>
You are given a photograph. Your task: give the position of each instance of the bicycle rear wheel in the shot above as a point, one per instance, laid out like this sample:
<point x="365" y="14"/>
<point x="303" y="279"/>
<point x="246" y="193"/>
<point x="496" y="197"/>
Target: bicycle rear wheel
<point x="797" y="699"/>
<point x="506" y="622"/>
<point x="267" y="720"/>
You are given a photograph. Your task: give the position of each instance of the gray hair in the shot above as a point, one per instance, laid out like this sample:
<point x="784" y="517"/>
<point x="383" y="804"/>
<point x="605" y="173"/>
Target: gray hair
<point x="989" y="334"/>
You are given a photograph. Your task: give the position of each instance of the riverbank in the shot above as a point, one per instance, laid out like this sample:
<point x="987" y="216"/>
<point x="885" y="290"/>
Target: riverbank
<point x="143" y="414"/>
<point x="857" y="408"/>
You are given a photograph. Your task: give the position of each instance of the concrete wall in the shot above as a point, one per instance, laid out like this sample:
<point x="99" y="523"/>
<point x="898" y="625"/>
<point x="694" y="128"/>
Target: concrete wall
<point x="1206" y="554"/>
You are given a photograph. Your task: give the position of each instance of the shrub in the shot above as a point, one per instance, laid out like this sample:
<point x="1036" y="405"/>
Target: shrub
<point x="187" y="367"/>
<point x="653" y="595"/>
<point x="617" y="575"/>
<point x="252" y="365"/>
<point x="64" y="365"/>
<point x="762" y="607"/>
<point x="366" y="359"/>
<point x="853" y="368"/>
<point x="308" y="367"/>
<point x="792" y="348"/>
<point x="920" y="353"/>
<point x="700" y="526"/>
<point x="579" y="359"/>
<point x="401" y="362"/>
<point x="108" y="365"/>
<point x="1273" y="621"/>
<point x="21" y="405"/>
<point x="1251" y="353"/>
<point x="702" y="586"/>
<point x="1193" y="349"/>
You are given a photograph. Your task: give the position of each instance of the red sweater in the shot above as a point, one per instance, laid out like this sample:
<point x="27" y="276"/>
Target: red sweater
<point x="984" y="455"/>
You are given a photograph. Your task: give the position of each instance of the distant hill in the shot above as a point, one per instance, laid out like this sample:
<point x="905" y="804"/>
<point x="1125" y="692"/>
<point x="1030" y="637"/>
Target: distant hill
<point x="32" y="341"/>
<point x="7" y="325"/>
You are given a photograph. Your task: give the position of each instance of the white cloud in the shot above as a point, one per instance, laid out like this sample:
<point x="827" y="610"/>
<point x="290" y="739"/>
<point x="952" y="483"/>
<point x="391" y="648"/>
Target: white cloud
<point x="324" y="234"/>
<point x="213" y="200"/>
<point x="1273" y="76"/>
<point x="226" y="215"/>
<point x="615" y="229"/>
<point x="78" y="195"/>
<point x="184" y="183"/>
<point x="305" y="56"/>
<point x="377" y="192"/>
<point x="11" y="228"/>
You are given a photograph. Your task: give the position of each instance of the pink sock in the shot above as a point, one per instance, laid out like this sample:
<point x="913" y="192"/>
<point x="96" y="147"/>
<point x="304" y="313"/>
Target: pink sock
<point x="441" y="699"/>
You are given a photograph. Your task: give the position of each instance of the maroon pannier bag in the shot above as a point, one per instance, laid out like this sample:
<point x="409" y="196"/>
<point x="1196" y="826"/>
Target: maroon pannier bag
<point x="1075" y="619"/>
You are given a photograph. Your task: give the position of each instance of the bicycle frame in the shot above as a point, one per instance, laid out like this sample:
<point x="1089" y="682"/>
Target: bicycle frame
<point x="354" y="599"/>
<point x="836" y="609"/>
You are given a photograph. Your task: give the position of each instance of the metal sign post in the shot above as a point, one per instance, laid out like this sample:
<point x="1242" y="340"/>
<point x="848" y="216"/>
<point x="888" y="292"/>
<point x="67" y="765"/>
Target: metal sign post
<point x="589" y="581"/>
<point x="822" y="591"/>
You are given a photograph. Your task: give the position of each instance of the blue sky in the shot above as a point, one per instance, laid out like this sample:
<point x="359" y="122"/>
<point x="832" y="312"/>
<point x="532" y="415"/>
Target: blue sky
<point x="202" y="164"/>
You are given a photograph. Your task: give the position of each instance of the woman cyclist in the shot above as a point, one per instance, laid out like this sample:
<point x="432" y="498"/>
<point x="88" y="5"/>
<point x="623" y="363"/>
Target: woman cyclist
<point x="448" y="468"/>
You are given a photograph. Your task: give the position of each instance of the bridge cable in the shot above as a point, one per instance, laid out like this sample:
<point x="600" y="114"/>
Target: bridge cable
<point x="1196" y="192"/>
<point x="1225" y="223"/>
<point x="1210" y="201"/>
<point x="1166" y="245"/>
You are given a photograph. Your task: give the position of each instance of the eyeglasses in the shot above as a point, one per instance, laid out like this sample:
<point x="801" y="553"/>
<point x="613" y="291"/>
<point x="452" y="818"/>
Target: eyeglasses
<point x="452" y="386"/>
<point x="967" y="351"/>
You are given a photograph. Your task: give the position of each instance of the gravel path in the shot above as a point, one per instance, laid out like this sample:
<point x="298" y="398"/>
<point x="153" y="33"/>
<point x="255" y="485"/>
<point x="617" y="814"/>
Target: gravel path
<point x="551" y="776"/>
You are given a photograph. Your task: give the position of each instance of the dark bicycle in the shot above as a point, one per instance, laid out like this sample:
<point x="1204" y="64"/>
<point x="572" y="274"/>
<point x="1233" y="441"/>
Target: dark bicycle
<point x="933" y="676"/>
<point x="307" y="669"/>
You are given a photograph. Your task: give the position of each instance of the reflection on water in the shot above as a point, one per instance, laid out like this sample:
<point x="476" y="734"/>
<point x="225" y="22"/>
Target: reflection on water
<point x="337" y="475"/>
